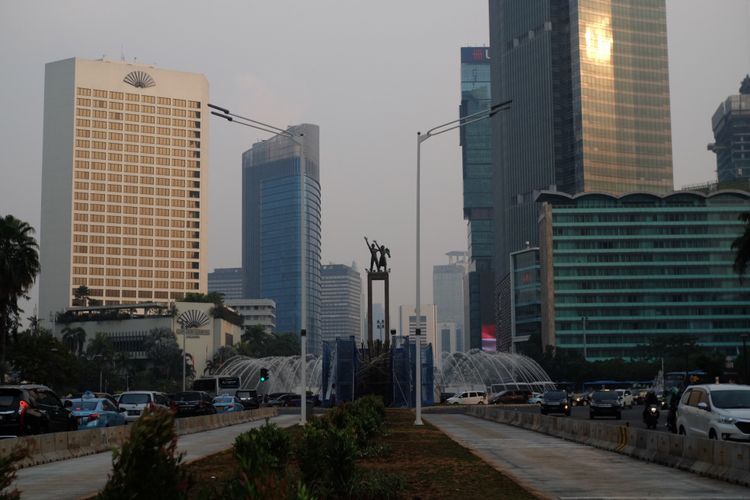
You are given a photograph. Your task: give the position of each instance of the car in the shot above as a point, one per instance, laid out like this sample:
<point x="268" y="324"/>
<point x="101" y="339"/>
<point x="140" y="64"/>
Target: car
<point x="715" y="411"/>
<point x="33" y="409"/>
<point x="226" y="403"/>
<point x="605" y="404"/>
<point x="94" y="394"/>
<point x="192" y="403"/>
<point x="92" y="411"/>
<point x="555" y="402"/>
<point x="135" y="403"/>
<point x="514" y="396"/>
<point x="624" y="397"/>
<point x="536" y="399"/>
<point x="249" y="399"/>
<point x="467" y="398"/>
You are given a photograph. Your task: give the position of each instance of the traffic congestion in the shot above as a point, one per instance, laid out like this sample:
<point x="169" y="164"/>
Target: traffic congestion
<point x="30" y="409"/>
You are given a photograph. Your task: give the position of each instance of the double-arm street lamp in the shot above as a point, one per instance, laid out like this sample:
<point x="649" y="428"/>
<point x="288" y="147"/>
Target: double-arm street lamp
<point x="440" y="129"/>
<point x="297" y="139"/>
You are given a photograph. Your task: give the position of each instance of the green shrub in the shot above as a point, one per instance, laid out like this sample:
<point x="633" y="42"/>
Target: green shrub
<point x="8" y="467"/>
<point x="263" y="450"/>
<point x="326" y="456"/>
<point x="146" y="466"/>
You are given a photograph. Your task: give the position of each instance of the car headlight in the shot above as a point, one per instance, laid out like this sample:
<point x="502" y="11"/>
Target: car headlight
<point x="726" y="420"/>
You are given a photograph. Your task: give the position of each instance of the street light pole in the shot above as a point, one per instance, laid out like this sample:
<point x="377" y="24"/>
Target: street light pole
<point x="744" y="357"/>
<point x="265" y="127"/>
<point x="303" y="377"/>
<point x="440" y="129"/>
<point x="584" y="319"/>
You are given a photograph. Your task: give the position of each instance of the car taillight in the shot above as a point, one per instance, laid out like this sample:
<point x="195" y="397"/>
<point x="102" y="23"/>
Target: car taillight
<point x="22" y="407"/>
<point x="93" y="416"/>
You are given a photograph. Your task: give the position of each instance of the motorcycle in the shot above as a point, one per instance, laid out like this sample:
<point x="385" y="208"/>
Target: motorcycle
<point x="651" y="416"/>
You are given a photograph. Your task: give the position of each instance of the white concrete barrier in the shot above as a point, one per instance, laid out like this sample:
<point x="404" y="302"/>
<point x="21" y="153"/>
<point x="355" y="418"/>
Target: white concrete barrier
<point x="44" y="448"/>
<point x="718" y="459"/>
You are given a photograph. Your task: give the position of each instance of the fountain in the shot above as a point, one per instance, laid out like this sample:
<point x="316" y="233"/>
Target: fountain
<point x="493" y="371"/>
<point x="283" y="373"/>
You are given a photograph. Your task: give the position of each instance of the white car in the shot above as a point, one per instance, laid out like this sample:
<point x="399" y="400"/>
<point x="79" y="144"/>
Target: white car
<point x="536" y="398"/>
<point x="468" y="398"/>
<point x="135" y="403"/>
<point x="715" y="411"/>
<point x="625" y="398"/>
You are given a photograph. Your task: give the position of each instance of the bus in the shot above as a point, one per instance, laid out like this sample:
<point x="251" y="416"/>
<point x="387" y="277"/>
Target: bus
<point x="678" y="379"/>
<point x="217" y="384"/>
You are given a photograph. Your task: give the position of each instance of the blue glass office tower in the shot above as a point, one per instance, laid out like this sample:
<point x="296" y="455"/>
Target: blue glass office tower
<point x="281" y="229"/>
<point x="476" y="153"/>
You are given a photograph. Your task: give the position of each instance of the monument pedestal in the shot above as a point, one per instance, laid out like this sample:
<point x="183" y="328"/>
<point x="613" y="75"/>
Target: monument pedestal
<point x="377" y="276"/>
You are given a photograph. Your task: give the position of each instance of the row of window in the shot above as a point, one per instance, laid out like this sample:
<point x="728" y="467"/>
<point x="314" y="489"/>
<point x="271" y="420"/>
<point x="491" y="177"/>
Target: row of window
<point x="139" y="147"/>
<point x="141" y="294"/>
<point x="143" y="252"/>
<point x="135" y="129"/>
<point x="126" y="96"/>
<point x="102" y="104"/>
<point x="132" y="127"/>
<point x="143" y="169"/>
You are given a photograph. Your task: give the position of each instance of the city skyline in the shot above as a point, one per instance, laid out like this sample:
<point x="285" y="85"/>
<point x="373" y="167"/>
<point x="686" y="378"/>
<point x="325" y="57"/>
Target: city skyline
<point x="401" y="97"/>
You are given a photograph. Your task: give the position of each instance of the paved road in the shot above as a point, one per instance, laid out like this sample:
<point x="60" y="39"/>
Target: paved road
<point x="86" y="475"/>
<point x="555" y="468"/>
<point x="632" y="416"/>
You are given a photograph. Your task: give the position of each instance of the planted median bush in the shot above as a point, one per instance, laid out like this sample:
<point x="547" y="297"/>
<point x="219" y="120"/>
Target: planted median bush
<point x="147" y="465"/>
<point x="263" y="454"/>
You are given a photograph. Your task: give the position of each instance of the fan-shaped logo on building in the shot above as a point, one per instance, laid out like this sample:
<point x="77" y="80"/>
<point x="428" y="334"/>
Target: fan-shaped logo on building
<point x="192" y="319"/>
<point x="139" y="79"/>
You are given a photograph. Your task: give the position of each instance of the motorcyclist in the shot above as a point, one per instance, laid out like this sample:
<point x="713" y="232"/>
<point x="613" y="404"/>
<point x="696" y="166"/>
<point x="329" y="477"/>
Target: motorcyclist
<point x="649" y="400"/>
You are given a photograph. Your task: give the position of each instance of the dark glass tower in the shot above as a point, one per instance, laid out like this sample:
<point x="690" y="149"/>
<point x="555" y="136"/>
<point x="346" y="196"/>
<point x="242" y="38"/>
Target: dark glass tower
<point x="590" y="89"/>
<point x="281" y="229"/>
<point x="731" y="125"/>
<point x="477" y="183"/>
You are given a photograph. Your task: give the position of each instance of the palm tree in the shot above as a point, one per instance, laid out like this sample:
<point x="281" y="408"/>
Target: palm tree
<point x="75" y="339"/>
<point x="82" y="296"/>
<point x="19" y="265"/>
<point x="742" y="245"/>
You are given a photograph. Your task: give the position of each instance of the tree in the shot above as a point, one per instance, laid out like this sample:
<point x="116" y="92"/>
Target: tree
<point x="220" y="357"/>
<point x="82" y="295"/>
<point x="19" y="265"/>
<point x="742" y="245"/>
<point x="211" y="297"/>
<point x="257" y="343"/>
<point x="75" y="339"/>
<point x="164" y="357"/>
<point x="43" y="359"/>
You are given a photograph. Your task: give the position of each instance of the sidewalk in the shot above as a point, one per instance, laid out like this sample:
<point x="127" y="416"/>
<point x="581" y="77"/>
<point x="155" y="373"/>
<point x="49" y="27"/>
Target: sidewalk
<point x="554" y="468"/>
<point x="85" y="476"/>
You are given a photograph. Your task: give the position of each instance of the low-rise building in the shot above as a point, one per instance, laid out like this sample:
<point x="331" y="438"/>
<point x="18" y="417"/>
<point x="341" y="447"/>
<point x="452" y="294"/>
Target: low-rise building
<point x="199" y="326"/>
<point x="255" y="312"/>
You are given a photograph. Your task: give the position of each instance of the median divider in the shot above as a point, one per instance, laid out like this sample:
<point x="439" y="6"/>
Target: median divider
<point x="44" y="448"/>
<point x="723" y="460"/>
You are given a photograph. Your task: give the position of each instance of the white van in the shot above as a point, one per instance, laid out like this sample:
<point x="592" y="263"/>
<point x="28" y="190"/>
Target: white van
<point x="468" y="398"/>
<point x="135" y="403"/>
<point x="625" y="398"/>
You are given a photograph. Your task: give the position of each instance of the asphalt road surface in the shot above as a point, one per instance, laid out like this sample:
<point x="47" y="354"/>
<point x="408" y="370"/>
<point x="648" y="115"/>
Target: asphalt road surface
<point x="632" y="417"/>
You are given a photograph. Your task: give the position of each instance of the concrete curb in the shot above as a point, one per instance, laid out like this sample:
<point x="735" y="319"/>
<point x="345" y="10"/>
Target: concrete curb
<point x="723" y="460"/>
<point x="45" y="448"/>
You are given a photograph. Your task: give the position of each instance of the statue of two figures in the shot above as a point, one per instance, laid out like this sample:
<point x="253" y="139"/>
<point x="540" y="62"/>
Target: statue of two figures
<point x="378" y="263"/>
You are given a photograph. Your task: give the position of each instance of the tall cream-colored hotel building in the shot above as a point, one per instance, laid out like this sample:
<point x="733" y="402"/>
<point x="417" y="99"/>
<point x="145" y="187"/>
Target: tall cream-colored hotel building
<point x="124" y="206"/>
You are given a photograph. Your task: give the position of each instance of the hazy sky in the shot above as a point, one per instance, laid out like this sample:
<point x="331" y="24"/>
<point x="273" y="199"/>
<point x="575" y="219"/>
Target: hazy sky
<point x="370" y="73"/>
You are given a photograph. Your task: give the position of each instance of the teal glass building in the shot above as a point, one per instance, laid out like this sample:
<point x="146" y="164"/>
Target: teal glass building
<point x="476" y="152"/>
<point x="281" y="229"/>
<point x="619" y="271"/>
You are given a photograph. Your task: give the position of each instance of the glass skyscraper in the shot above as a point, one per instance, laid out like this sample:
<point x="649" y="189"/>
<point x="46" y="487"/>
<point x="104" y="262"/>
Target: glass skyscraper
<point x="731" y="126"/>
<point x="281" y="229"/>
<point x="590" y="112"/>
<point x="476" y="153"/>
